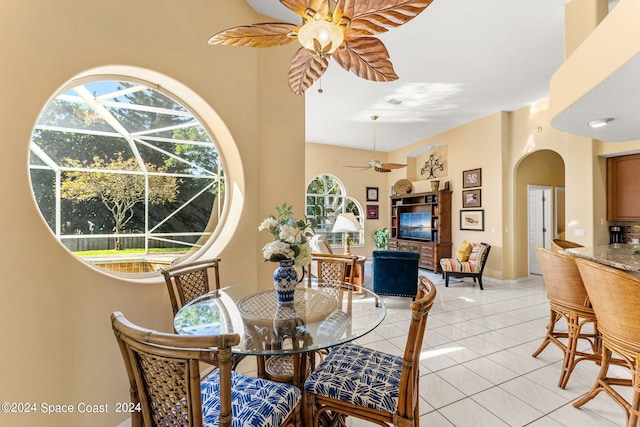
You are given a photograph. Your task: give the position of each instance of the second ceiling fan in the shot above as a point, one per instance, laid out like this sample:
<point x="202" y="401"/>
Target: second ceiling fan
<point x="375" y="164"/>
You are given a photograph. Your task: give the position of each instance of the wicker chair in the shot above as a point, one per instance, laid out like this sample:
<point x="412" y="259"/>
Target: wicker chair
<point x="369" y="384"/>
<point x="165" y="381"/>
<point x="559" y="244"/>
<point x="332" y="267"/>
<point x="568" y="300"/>
<point x="615" y="296"/>
<point x="331" y="271"/>
<point x="186" y="282"/>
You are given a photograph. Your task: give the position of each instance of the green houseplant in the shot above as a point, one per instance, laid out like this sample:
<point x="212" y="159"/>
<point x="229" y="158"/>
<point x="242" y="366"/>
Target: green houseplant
<point x="381" y="237"/>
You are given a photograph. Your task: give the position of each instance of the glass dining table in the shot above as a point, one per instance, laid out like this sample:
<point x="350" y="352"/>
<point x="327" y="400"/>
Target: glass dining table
<point x="322" y="315"/>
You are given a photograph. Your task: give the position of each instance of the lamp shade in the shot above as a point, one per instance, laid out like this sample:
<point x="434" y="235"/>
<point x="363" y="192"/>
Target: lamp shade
<point x="328" y="35"/>
<point x="346" y="222"/>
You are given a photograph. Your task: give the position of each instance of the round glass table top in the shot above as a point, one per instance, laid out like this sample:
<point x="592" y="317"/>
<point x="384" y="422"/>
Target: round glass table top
<point x="321" y="316"/>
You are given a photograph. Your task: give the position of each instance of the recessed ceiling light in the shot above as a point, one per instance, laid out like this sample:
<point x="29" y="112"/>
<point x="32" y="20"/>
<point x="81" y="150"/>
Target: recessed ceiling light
<point x="600" y="122"/>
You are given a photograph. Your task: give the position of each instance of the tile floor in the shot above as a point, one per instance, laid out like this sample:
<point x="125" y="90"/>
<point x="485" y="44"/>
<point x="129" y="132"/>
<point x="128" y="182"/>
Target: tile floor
<point x="477" y="368"/>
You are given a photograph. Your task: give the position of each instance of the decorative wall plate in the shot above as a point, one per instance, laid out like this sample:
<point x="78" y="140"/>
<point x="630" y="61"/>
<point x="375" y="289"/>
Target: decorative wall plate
<point x="403" y="186"/>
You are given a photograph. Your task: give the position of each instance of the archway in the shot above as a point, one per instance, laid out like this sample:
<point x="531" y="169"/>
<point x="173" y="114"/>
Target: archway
<point x="540" y="168"/>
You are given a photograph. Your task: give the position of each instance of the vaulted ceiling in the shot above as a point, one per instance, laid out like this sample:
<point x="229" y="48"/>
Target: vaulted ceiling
<point x="458" y="61"/>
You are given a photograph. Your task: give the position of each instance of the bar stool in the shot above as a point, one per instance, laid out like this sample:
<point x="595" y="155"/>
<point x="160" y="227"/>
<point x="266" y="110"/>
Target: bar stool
<point x="559" y="244"/>
<point x="615" y="296"/>
<point x="568" y="300"/>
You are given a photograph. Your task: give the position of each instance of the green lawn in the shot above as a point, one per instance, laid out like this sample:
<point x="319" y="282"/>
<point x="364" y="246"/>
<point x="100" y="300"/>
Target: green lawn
<point x="130" y="251"/>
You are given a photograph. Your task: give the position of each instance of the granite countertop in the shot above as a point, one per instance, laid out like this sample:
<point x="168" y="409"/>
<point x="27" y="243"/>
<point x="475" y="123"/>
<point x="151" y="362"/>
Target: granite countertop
<point x="618" y="255"/>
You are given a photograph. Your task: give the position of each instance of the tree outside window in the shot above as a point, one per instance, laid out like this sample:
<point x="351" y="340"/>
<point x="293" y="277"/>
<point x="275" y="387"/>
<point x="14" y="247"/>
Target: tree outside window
<point x="120" y="165"/>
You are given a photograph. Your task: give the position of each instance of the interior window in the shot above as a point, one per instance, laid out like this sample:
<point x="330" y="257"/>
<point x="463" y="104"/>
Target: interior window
<point x="126" y="177"/>
<point x="326" y="196"/>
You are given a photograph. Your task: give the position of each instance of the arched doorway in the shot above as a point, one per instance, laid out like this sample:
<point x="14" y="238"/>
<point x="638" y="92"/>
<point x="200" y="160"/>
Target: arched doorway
<point x="540" y="169"/>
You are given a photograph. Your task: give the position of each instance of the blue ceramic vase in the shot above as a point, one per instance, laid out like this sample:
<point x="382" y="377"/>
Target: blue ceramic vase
<point x="285" y="280"/>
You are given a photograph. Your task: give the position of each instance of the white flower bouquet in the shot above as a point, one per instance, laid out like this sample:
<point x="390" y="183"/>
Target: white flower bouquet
<point x="291" y="237"/>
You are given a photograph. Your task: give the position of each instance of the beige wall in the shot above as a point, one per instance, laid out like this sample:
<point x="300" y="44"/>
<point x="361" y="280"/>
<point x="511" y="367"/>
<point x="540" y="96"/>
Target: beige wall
<point x="475" y="145"/>
<point x="499" y="144"/>
<point x="543" y="168"/>
<point x="589" y="61"/>
<point x="57" y="344"/>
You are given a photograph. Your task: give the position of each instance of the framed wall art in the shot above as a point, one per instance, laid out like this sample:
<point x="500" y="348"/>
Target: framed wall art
<point x="472" y="178"/>
<point x="372" y="211"/>
<point x="472" y="198"/>
<point x="472" y="220"/>
<point x="372" y="194"/>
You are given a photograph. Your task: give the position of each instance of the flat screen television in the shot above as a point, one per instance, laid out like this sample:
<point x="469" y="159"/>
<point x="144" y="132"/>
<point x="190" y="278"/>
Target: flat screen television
<point x="415" y="225"/>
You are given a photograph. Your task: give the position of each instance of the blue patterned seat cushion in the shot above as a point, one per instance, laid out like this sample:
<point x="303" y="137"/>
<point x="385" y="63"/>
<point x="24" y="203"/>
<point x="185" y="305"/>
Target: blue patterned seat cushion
<point x="255" y="402"/>
<point x="358" y="375"/>
<point x="335" y="324"/>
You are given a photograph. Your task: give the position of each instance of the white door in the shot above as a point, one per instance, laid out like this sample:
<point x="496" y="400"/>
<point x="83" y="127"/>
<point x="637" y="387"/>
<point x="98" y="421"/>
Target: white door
<point x="540" y="223"/>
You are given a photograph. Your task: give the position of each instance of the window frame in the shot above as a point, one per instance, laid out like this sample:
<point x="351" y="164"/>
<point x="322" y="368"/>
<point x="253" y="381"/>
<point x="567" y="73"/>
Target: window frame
<point x="220" y="210"/>
<point x="335" y="197"/>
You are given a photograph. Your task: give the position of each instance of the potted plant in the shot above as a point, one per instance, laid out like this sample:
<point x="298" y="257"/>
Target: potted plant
<point x="381" y="237"/>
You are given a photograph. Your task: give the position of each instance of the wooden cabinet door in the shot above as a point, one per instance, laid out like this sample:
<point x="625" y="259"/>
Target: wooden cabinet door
<point x="623" y="188"/>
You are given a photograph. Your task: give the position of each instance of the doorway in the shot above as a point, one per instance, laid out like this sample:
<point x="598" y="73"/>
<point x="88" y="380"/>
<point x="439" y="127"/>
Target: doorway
<point x="541" y="222"/>
<point x="540" y="169"/>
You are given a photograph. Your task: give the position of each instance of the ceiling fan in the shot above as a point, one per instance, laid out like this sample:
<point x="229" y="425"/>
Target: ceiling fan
<point x="375" y="164"/>
<point x="340" y="29"/>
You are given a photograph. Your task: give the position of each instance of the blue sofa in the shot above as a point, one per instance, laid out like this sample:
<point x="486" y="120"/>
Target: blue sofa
<point x="395" y="273"/>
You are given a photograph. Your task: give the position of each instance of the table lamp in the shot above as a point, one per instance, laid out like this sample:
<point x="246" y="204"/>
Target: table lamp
<point x="345" y="223"/>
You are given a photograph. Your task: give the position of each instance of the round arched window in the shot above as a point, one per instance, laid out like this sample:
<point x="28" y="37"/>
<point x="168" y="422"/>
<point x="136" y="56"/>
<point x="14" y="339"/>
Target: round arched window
<point x="126" y="176"/>
<point x="326" y="195"/>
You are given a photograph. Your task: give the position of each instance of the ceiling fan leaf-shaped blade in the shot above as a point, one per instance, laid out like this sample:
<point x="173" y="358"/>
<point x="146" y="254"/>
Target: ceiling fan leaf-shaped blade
<point x="343" y="9"/>
<point x="378" y="16"/>
<point x="305" y="68"/>
<point x="393" y="165"/>
<point x="366" y="57"/>
<point x="259" y="35"/>
<point x="383" y="170"/>
<point x="300" y="6"/>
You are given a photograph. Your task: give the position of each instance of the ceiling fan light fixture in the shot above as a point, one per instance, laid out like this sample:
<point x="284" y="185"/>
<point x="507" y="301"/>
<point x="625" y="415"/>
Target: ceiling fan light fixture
<point x="600" y="122"/>
<point x="329" y="25"/>
<point x="328" y="35"/>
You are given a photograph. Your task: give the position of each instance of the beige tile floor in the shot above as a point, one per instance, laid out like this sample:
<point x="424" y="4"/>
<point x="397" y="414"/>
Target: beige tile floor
<point x="477" y="369"/>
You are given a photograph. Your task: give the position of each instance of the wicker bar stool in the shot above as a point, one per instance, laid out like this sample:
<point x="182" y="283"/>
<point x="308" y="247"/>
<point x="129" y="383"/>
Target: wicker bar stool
<point x="568" y="300"/>
<point x="615" y="295"/>
<point x="560" y="244"/>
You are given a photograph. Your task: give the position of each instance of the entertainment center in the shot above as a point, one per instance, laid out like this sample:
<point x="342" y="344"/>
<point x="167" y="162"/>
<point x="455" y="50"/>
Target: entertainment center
<point x="421" y="223"/>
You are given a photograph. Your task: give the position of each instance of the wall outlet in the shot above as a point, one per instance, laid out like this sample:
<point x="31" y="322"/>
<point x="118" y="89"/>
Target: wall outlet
<point x="578" y="232"/>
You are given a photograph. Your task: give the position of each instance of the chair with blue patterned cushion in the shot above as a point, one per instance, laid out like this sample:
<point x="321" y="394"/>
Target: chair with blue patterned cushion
<point x="472" y="267"/>
<point x="165" y="382"/>
<point x="332" y="272"/>
<point x="371" y="385"/>
<point x="187" y="281"/>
